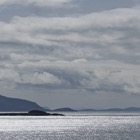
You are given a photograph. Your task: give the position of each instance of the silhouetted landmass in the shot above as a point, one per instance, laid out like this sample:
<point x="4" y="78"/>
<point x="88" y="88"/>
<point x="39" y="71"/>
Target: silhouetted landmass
<point x="38" y="112"/>
<point x="64" y="110"/>
<point x="130" y="109"/>
<point x="112" y="109"/>
<point x="16" y="105"/>
<point x="31" y="113"/>
<point x="88" y="110"/>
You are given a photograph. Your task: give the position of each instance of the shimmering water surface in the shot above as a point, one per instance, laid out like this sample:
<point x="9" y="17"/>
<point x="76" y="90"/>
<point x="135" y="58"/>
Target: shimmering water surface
<point x="73" y="126"/>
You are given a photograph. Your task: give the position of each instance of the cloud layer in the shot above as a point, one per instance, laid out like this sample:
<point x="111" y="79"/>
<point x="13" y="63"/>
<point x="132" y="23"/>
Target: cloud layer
<point x="42" y="3"/>
<point x="92" y="52"/>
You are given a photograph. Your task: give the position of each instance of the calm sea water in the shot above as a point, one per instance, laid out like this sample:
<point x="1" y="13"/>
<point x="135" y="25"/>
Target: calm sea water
<point x="74" y="126"/>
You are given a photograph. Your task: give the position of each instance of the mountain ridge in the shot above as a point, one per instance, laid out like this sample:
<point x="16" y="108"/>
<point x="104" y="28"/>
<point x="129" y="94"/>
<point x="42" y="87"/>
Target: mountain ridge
<point x="8" y="104"/>
<point x="66" y="109"/>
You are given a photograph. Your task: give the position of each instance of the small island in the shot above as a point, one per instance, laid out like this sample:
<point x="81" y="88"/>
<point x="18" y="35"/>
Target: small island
<point x="32" y="113"/>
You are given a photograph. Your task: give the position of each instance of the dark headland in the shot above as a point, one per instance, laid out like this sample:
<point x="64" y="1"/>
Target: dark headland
<point x="32" y="113"/>
<point x="8" y="104"/>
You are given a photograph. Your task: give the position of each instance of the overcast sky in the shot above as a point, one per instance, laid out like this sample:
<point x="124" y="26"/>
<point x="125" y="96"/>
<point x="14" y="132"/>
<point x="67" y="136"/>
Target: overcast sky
<point x="71" y="53"/>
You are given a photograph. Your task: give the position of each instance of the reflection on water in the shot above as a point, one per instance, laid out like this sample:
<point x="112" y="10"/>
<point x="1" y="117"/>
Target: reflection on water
<point x="95" y="126"/>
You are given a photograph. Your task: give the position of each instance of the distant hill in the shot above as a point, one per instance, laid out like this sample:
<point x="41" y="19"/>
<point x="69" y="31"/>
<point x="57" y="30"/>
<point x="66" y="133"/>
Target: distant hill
<point x="64" y="110"/>
<point x="87" y="110"/>
<point x="12" y="104"/>
<point x="130" y="109"/>
<point x="112" y="109"/>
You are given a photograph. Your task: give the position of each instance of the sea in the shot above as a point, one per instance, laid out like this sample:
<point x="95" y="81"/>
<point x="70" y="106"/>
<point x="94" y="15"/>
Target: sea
<point x="72" y="126"/>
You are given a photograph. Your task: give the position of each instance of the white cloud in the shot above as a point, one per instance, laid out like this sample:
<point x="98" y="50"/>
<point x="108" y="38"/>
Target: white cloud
<point x="6" y="74"/>
<point x="38" y="79"/>
<point x="35" y="2"/>
<point x="12" y="76"/>
<point x="104" y="28"/>
<point x="84" y="51"/>
<point x="109" y="76"/>
<point x="109" y="19"/>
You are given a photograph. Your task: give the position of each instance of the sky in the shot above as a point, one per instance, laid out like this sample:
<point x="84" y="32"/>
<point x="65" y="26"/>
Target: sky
<point x="71" y="53"/>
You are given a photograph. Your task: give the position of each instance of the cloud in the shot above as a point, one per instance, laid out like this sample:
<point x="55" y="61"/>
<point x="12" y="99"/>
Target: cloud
<point x="6" y="74"/>
<point x="38" y="79"/>
<point x="91" y="76"/>
<point x="105" y="28"/>
<point x="94" y="75"/>
<point x="99" y="35"/>
<point x="42" y="3"/>
<point x="94" y="52"/>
